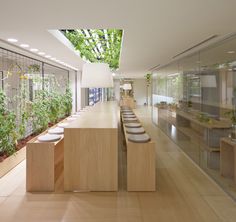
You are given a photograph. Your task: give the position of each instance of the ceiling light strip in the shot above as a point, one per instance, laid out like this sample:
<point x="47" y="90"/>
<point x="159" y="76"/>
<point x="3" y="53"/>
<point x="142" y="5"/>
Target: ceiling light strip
<point x="34" y="50"/>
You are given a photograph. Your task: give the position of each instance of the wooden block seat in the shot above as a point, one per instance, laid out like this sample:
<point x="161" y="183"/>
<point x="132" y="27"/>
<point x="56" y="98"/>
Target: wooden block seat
<point x="141" y="160"/>
<point x="56" y="130"/>
<point x="139" y="138"/>
<point x="128" y="115"/>
<point x="44" y="162"/>
<point x="70" y="119"/>
<point x="133" y="117"/>
<point x="132" y="125"/>
<point x="76" y="115"/>
<point x="122" y="110"/>
<point x="62" y="125"/>
<point x="126" y="110"/>
<point x="130" y="120"/>
<point x="49" y="138"/>
<point x="139" y="130"/>
<point x="141" y="164"/>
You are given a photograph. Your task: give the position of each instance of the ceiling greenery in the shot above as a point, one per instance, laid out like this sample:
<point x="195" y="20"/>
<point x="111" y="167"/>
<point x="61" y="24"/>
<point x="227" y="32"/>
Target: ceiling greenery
<point x="97" y="45"/>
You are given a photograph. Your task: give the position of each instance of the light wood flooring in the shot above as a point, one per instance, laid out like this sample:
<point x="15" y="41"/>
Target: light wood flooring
<point x="183" y="193"/>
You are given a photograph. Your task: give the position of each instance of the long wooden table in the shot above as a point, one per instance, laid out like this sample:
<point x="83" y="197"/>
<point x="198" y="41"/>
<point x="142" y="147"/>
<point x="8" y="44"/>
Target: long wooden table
<point x="91" y="150"/>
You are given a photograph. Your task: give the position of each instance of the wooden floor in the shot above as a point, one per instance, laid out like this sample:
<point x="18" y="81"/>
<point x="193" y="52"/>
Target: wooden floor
<point x="183" y="193"/>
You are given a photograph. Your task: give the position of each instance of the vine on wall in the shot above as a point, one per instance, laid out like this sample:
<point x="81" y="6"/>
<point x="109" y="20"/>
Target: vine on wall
<point x="45" y="108"/>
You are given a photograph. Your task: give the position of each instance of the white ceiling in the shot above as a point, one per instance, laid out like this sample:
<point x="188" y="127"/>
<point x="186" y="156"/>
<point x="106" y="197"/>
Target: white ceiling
<point x="154" y="30"/>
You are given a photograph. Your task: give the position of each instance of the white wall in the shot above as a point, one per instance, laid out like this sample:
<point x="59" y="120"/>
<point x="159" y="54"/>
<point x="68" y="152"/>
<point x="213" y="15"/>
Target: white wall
<point x="140" y="91"/>
<point x="84" y="97"/>
<point x="79" y="106"/>
<point x="117" y="89"/>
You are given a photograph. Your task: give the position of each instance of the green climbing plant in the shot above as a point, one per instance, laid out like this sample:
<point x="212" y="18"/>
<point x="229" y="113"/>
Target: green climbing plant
<point x="23" y="124"/>
<point x="39" y="114"/>
<point x="8" y="133"/>
<point x="54" y="106"/>
<point x="67" y="101"/>
<point x="2" y="102"/>
<point x="49" y="107"/>
<point x="23" y="102"/>
<point x="97" y="45"/>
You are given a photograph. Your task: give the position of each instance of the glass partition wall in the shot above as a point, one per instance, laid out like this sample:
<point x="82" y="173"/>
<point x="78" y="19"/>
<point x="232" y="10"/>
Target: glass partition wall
<point x="194" y="104"/>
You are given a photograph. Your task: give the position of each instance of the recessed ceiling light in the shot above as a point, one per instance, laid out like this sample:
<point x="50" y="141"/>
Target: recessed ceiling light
<point x="113" y="74"/>
<point x="12" y="40"/>
<point x="24" y="45"/>
<point x="48" y="56"/>
<point x="34" y="50"/>
<point x="231" y="52"/>
<point x="41" y="53"/>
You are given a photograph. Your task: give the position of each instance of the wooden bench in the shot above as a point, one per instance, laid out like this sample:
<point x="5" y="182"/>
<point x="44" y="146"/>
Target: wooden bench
<point x="44" y="164"/>
<point x="141" y="167"/>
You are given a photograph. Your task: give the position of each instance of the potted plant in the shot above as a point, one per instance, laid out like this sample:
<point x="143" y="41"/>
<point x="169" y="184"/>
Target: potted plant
<point x="232" y="115"/>
<point x="148" y="78"/>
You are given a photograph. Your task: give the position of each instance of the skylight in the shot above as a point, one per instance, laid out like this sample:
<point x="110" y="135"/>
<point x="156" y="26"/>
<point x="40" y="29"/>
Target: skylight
<point x="97" y="45"/>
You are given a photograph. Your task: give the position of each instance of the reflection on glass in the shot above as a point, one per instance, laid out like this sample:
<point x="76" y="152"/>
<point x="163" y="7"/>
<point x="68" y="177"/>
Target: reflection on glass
<point x="194" y="103"/>
<point x="95" y="95"/>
